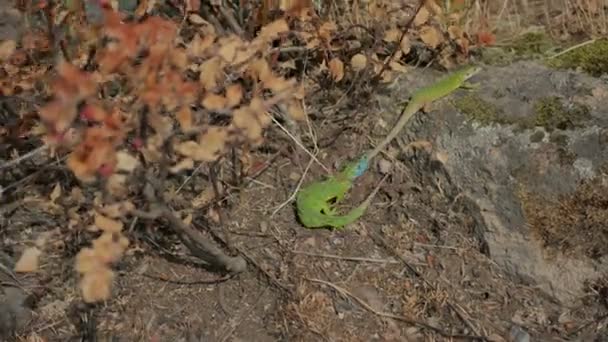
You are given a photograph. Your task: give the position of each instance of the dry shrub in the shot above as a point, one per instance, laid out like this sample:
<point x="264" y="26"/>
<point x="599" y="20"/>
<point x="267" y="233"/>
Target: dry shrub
<point x="163" y="119"/>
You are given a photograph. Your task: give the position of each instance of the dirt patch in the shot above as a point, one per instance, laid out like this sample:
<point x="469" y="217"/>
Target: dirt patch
<point x="574" y="224"/>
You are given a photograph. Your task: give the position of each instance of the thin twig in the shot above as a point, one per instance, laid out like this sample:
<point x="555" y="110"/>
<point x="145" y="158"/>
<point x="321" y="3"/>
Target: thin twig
<point x="295" y="191"/>
<point x="189" y="178"/>
<point x="347" y="258"/>
<point x="407" y="320"/>
<point x="23" y="157"/>
<point x="193" y="282"/>
<point x="591" y="41"/>
<point x="298" y="143"/>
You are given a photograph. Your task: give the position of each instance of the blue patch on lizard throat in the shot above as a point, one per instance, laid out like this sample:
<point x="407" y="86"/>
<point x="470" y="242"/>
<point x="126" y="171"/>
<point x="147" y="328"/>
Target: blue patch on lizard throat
<point x="362" y="166"/>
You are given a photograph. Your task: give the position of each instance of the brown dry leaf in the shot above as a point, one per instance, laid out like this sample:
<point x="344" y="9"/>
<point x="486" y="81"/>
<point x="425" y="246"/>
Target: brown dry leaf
<point x="213" y="215"/>
<point x="28" y="262"/>
<point x="431" y="36"/>
<point x="260" y="69"/>
<point x="336" y="68"/>
<point x="96" y="286"/>
<point x="7" y="48"/>
<point x="277" y="84"/>
<point x="296" y="111"/>
<point x="126" y="162"/>
<point x="179" y="58"/>
<point x="392" y="35"/>
<point x="214" y="102"/>
<point x="259" y="108"/>
<point x="197" y="19"/>
<point x="203" y="198"/>
<point x="184" y="164"/>
<point x="396" y="66"/>
<point x="213" y="141"/>
<point x="210" y="145"/>
<point x="184" y="117"/>
<point x="358" y="62"/>
<point x="326" y="30"/>
<point x="188" y="219"/>
<point x="234" y="95"/>
<point x="406" y="45"/>
<point x="187" y="148"/>
<point x="198" y="45"/>
<point x="87" y="261"/>
<point x="228" y="48"/>
<point x="107" y="224"/>
<point x="163" y="125"/>
<point x="272" y="30"/>
<point x="116" y="185"/>
<point x="118" y="209"/>
<point x="55" y="193"/>
<point x="422" y="17"/>
<point x="455" y="32"/>
<point x="246" y="119"/>
<point x="109" y="247"/>
<point x="210" y="72"/>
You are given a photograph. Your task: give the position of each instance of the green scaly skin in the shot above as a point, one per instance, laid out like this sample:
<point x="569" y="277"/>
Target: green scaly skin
<point x="312" y="204"/>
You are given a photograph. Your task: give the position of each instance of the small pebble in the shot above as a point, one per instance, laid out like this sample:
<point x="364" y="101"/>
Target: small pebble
<point x="517" y="334"/>
<point x="385" y="166"/>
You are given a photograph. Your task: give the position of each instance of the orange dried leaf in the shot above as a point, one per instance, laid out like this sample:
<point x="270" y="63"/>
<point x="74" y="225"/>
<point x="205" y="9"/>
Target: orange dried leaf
<point x="214" y="102"/>
<point x="392" y="35"/>
<point x="228" y="48"/>
<point x="234" y="95"/>
<point x="272" y="30"/>
<point x="260" y="69"/>
<point x="336" y="68"/>
<point x="7" y="48"/>
<point x="107" y="224"/>
<point x="422" y="17"/>
<point x="28" y="262"/>
<point x="326" y="30"/>
<point x="198" y="45"/>
<point x="179" y="58"/>
<point x="406" y="45"/>
<point x="96" y="286"/>
<point x="182" y="165"/>
<point x="197" y="19"/>
<point x="210" y="72"/>
<point x="431" y="36"/>
<point x="184" y="117"/>
<point x="277" y="84"/>
<point x="213" y="142"/>
<point x="296" y="111"/>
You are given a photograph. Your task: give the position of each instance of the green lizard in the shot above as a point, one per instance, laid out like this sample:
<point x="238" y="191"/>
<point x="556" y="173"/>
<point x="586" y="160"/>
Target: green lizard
<point x="312" y="201"/>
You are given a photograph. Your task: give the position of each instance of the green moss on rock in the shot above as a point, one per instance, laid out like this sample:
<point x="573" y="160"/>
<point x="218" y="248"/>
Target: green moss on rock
<point x="591" y="58"/>
<point x="551" y="114"/>
<point x="475" y="108"/>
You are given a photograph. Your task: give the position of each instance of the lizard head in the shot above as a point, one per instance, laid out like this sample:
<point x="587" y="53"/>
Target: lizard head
<point x="470" y="71"/>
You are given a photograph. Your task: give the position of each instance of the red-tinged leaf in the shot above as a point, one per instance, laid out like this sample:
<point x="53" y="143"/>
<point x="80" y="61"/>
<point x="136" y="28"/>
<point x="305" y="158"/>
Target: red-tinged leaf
<point x="138" y="143"/>
<point x="486" y="38"/>
<point x="106" y="170"/>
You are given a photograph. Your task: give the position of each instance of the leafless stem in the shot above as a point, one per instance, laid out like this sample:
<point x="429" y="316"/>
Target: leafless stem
<point x="28" y="155"/>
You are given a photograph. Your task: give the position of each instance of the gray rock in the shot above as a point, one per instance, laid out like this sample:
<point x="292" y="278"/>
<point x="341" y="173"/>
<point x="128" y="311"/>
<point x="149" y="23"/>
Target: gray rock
<point x="493" y="158"/>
